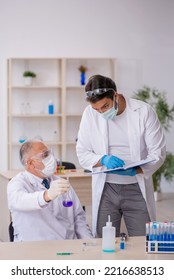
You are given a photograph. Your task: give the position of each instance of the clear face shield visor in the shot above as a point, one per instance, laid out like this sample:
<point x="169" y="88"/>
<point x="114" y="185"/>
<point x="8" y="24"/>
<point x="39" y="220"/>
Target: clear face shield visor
<point x="98" y="91"/>
<point x="41" y="156"/>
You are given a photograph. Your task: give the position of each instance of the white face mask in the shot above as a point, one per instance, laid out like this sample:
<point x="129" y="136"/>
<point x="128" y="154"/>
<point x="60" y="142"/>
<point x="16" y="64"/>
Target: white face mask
<point x="111" y="113"/>
<point x="50" y="165"/>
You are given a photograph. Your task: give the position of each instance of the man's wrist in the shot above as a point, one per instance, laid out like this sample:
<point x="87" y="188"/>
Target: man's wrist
<point x="46" y="197"/>
<point x="102" y="159"/>
<point x="139" y="170"/>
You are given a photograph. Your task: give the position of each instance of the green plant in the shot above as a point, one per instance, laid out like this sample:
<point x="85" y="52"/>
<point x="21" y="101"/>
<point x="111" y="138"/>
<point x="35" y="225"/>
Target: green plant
<point x="166" y="170"/>
<point x="29" y="74"/>
<point x="165" y="114"/>
<point x="82" y="68"/>
<point x="158" y="101"/>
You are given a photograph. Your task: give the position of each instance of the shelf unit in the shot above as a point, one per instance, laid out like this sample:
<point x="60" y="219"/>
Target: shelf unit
<point x="58" y="79"/>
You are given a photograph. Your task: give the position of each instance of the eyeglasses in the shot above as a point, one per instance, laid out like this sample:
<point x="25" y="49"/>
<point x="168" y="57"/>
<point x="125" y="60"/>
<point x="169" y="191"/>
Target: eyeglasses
<point x="42" y="155"/>
<point x="98" y="91"/>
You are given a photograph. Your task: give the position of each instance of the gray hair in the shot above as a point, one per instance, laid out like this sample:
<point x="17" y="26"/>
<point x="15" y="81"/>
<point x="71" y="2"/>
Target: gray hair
<point x="25" y="149"/>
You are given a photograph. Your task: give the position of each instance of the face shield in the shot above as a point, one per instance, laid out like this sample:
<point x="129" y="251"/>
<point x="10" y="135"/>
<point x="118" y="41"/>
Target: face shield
<point x="98" y="91"/>
<point x="41" y="156"/>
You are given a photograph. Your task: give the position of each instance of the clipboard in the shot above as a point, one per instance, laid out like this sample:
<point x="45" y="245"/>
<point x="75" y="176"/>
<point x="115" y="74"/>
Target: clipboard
<point x="127" y="166"/>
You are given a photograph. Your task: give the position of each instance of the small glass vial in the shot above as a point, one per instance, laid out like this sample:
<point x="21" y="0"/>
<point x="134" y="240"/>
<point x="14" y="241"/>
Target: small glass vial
<point x="123" y="239"/>
<point x="122" y="244"/>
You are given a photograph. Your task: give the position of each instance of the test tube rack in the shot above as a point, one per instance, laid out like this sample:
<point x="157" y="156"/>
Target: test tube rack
<point x="160" y="247"/>
<point x="159" y="237"/>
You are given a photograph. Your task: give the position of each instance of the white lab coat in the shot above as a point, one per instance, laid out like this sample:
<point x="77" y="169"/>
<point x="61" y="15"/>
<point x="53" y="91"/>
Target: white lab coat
<point x="35" y="219"/>
<point x="146" y="140"/>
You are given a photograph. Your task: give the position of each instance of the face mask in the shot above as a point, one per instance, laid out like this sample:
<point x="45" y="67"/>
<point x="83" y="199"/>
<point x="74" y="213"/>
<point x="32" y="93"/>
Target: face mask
<point x="50" y="165"/>
<point x="111" y="113"/>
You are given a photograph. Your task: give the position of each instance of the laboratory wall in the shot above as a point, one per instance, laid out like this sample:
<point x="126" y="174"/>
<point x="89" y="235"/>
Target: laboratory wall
<point x="139" y="33"/>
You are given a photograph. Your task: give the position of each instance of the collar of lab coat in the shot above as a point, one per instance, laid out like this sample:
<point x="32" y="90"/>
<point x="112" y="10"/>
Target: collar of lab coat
<point x="133" y="104"/>
<point x="33" y="179"/>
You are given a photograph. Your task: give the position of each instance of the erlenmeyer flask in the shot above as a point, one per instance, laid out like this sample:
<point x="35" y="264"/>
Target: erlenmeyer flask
<point x="67" y="202"/>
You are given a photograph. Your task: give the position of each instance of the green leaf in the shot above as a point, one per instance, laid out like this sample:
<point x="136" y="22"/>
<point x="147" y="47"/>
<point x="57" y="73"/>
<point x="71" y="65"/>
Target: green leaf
<point x="165" y="113"/>
<point x="29" y="74"/>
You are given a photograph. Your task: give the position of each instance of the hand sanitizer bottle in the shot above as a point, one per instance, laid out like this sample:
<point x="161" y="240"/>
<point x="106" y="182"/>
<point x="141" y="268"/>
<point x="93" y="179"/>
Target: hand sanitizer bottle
<point x="108" y="237"/>
<point x="50" y="108"/>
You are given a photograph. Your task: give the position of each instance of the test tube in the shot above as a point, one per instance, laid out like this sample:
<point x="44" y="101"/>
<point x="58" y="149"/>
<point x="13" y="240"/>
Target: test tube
<point x="172" y="236"/>
<point x="152" y="237"/>
<point x="172" y="231"/>
<point x="161" y="237"/>
<point x="147" y="231"/>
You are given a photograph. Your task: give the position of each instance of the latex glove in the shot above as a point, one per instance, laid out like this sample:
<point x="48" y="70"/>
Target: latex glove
<point x="57" y="188"/>
<point x="128" y="172"/>
<point x="111" y="161"/>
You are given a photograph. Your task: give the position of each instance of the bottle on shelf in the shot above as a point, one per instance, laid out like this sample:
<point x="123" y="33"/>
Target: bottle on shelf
<point x="55" y="135"/>
<point x="28" y="108"/>
<point x="22" y="139"/>
<point x="50" y="107"/>
<point x="22" y="108"/>
<point x="37" y="137"/>
<point x="108" y="237"/>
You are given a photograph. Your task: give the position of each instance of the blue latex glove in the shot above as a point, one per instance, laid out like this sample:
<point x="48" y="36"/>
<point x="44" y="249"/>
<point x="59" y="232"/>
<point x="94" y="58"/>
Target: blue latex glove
<point x="128" y="172"/>
<point x="111" y="161"/>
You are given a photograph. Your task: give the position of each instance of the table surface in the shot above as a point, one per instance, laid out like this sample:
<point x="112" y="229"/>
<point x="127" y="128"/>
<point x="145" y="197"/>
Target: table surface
<point x="73" y="173"/>
<point x="47" y="250"/>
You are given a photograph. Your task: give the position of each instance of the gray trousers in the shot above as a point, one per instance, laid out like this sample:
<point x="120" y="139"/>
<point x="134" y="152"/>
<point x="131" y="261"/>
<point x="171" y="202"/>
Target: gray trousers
<point x="123" y="200"/>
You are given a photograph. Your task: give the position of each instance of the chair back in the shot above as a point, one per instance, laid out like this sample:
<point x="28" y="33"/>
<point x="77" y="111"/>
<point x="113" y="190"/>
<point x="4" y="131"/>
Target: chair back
<point x="11" y="232"/>
<point x="68" y="165"/>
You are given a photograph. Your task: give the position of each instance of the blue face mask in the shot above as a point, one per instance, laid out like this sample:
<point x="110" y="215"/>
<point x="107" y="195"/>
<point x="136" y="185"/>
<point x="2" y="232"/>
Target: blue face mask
<point x="111" y="113"/>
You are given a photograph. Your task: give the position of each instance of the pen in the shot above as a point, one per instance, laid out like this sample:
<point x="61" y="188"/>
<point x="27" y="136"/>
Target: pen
<point x="64" y="254"/>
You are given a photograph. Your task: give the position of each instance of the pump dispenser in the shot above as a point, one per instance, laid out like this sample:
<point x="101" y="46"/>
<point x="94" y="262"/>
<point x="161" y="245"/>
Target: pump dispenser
<point x="108" y="237"/>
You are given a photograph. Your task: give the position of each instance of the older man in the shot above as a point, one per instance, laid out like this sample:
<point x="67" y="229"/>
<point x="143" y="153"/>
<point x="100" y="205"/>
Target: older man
<point x="36" y="196"/>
